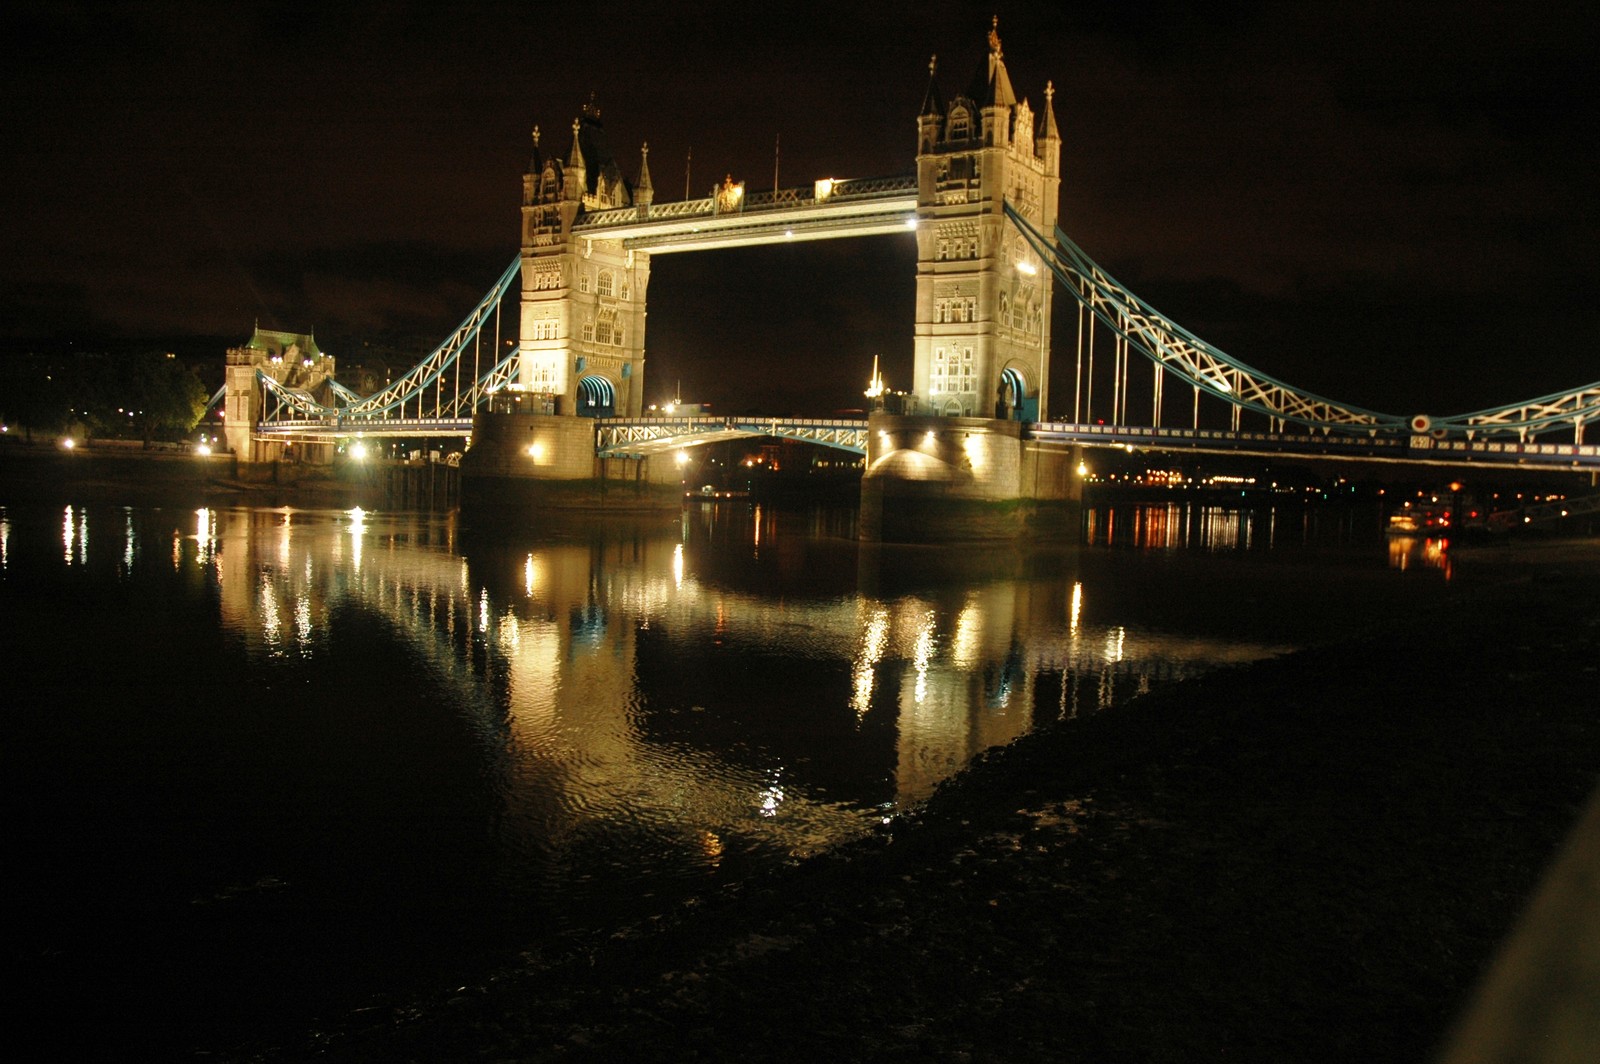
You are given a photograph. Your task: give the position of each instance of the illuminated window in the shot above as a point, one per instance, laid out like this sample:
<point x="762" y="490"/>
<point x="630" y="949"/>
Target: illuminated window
<point x="606" y="282"/>
<point x="960" y="124"/>
<point x="583" y="282"/>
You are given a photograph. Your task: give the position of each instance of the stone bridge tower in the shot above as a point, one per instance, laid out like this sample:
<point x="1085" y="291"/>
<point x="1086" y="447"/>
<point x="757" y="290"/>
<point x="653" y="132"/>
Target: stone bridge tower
<point x="581" y="340"/>
<point x="982" y="345"/>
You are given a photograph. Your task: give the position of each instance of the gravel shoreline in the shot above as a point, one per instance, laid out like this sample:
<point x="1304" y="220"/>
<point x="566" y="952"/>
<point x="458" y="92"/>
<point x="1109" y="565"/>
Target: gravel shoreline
<point x="1312" y="858"/>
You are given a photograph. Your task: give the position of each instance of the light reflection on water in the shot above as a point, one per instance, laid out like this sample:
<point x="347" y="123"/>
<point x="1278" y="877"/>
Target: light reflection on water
<point x="1219" y="528"/>
<point x="642" y="712"/>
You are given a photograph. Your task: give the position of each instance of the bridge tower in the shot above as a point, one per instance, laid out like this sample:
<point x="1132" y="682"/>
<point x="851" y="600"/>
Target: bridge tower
<point x="954" y="463"/>
<point x="293" y="360"/>
<point x="581" y="338"/>
<point x="982" y="346"/>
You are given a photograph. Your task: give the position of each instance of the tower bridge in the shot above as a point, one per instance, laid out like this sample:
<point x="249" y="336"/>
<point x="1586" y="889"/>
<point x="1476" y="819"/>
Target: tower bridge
<point x="547" y="373"/>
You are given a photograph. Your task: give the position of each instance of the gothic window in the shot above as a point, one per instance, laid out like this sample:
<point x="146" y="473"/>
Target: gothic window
<point x="588" y="331"/>
<point x="960" y="124"/>
<point x="605" y="284"/>
<point x="625" y="292"/>
<point x="583" y="281"/>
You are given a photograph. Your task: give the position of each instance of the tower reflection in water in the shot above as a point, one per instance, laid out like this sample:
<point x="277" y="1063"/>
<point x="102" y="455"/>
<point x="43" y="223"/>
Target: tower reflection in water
<point x="655" y="690"/>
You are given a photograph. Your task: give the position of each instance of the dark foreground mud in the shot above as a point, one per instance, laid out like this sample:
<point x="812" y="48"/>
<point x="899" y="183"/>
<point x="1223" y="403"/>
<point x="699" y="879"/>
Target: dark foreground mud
<point x="1310" y="859"/>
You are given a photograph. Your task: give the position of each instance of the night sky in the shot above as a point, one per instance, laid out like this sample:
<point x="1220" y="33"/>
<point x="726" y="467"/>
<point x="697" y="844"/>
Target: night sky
<point x="1392" y="204"/>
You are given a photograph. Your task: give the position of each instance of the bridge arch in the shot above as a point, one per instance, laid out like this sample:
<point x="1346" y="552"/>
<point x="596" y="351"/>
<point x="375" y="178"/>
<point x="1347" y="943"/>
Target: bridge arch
<point x="1013" y="395"/>
<point x="597" y="397"/>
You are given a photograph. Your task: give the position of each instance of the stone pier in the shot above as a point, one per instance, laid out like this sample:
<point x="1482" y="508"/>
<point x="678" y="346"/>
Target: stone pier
<point x="947" y="479"/>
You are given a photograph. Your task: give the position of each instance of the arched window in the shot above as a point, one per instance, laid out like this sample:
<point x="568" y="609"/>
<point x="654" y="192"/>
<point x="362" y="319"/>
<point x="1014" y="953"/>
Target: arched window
<point x="607" y="281"/>
<point x="960" y="124"/>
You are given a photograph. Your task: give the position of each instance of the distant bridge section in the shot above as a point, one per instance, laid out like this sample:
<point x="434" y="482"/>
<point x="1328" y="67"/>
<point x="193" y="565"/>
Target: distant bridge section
<point x="1376" y="447"/>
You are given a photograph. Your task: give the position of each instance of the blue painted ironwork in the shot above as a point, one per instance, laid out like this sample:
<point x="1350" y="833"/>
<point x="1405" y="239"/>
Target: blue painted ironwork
<point x="1171" y="347"/>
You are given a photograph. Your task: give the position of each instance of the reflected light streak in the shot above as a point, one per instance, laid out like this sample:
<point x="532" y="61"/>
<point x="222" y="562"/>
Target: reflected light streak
<point x="5" y="540"/>
<point x="205" y="534"/>
<point x="358" y="528"/>
<point x="772" y="796"/>
<point x="1076" y="612"/>
<point x="923" y="654"/>
<point x="677" y="565"/>
<point x="964" y="644"/>
<point x="128" y="540"/>
<point x="510" y="635"/>
<point x="302" y="622"/>
<point x="483" y="610"/>
<point x="1116" y="639"/>
<point x="283" y="542"/>
<point x="873" y="640"/>
<point x="271" y="623"/>
<point x="67" y="537"/>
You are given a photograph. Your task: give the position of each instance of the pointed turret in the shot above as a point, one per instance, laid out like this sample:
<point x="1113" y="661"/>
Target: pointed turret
<point x="933" y="99"/>
<point x="532" y="192"/>
<point x="576" y="178"/>
<point x="991" y="85"/>
<point x="1047" y="125"/>
<point x="536" y="160"/>
<point x="932" y="115"/>
<point x="644" y="192"/>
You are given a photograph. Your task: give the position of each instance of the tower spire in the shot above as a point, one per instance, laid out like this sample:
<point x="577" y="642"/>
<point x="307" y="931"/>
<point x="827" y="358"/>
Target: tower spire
<point x="1050" y="130"/>
<point x="644" y="193"/>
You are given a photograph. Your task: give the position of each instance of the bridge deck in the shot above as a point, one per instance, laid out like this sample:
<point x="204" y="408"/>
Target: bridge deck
<point x="618" y="437"/>
<point x="863" y="207"/>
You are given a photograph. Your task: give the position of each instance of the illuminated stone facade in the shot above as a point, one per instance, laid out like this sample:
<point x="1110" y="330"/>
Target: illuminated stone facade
<point x="293" y="360"/>
<point x="583" y="300"/>
<point x="983" y="297"/>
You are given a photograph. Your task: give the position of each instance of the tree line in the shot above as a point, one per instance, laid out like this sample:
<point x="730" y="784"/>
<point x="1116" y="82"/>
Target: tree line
<point x="149" y="395"/>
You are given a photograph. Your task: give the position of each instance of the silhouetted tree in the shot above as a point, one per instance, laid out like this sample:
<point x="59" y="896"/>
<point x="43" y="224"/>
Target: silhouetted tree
<point x="163" y="394"/>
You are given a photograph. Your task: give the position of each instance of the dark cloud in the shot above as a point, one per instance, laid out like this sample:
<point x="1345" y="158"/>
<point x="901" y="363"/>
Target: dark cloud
<point x="1387" y="203"/>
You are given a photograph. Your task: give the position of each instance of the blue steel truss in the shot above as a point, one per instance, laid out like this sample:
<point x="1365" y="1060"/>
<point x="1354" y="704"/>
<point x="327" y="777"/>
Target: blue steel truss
<point x="431" y="393"/>
<point x="1172" y="347"/>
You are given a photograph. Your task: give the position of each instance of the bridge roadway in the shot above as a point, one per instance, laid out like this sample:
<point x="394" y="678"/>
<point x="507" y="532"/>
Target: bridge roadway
<point x="637" y="437"/>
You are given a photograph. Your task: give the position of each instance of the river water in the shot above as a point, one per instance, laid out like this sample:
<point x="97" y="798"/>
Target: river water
<point x="269" y="764"/>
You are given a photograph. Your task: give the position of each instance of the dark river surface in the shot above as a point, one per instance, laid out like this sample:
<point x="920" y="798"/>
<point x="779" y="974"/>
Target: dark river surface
<point x="263" y="765"/>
